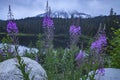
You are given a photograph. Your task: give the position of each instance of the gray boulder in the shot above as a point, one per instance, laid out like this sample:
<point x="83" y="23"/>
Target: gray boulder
<point x="9" y="71"/>
<point x="110" y="74"/>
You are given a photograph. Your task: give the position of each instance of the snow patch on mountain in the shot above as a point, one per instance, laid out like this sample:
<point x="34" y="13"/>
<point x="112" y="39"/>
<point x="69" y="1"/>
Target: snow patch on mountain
<point x="64" y="14"/>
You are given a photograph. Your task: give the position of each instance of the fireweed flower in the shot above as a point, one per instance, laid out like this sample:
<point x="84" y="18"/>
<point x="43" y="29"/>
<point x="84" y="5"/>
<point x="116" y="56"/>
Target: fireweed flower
<point x="11" y="27"/>
<point x="75" y="32"/>
<point x="99" y="43"/>
<point x="80" y="55"/>
<point x="47" y="22"/>
<point x="48" y="30"/>
<point x="12" y="30"/>
<point x="98" y="46"/>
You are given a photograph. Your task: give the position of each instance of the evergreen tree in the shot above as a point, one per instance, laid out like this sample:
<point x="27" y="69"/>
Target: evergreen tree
<point x="111" y="12"/>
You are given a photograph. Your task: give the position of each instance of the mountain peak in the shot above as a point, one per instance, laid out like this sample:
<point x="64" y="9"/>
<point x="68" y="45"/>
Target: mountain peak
<point x="65" y="14"/>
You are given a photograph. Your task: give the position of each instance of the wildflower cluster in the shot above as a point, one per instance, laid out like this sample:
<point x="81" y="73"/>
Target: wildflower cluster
<point x="75" y="32"/>
<point x="11" y="27"/>
<point x="47" y="22"/>
<point x="99" y="46"/>
<point x="48" y="31"/>
<point x="12" y="30"/>
<point x="79" y="58"/>
<point x="99" y="43"/>
<point x="80" y="55"/>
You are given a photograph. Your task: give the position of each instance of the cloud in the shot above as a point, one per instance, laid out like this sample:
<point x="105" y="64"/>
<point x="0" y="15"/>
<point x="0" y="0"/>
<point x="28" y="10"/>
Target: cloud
<point x="21" y="8"/>
<point x="28" y="8"/>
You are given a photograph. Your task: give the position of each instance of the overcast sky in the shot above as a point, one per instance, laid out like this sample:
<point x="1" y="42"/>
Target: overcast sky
<point x="29" y="8"/>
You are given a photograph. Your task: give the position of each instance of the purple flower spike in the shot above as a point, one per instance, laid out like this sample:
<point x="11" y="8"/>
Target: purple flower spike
<point x="47" y="22"/>
<point x="80" y="55"/>
<point x="11" y="27"/>
<point x="48" y="31"/>
<point x="99" y="43"/>
<point x="75" y="30"/>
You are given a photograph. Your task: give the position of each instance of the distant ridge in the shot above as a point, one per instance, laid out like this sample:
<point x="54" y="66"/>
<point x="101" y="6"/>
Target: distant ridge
<point x="64" y="14"/>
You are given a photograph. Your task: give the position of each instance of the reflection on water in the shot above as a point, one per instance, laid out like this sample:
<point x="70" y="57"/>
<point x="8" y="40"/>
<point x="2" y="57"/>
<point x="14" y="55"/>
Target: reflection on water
<point x="26" y="40"/>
